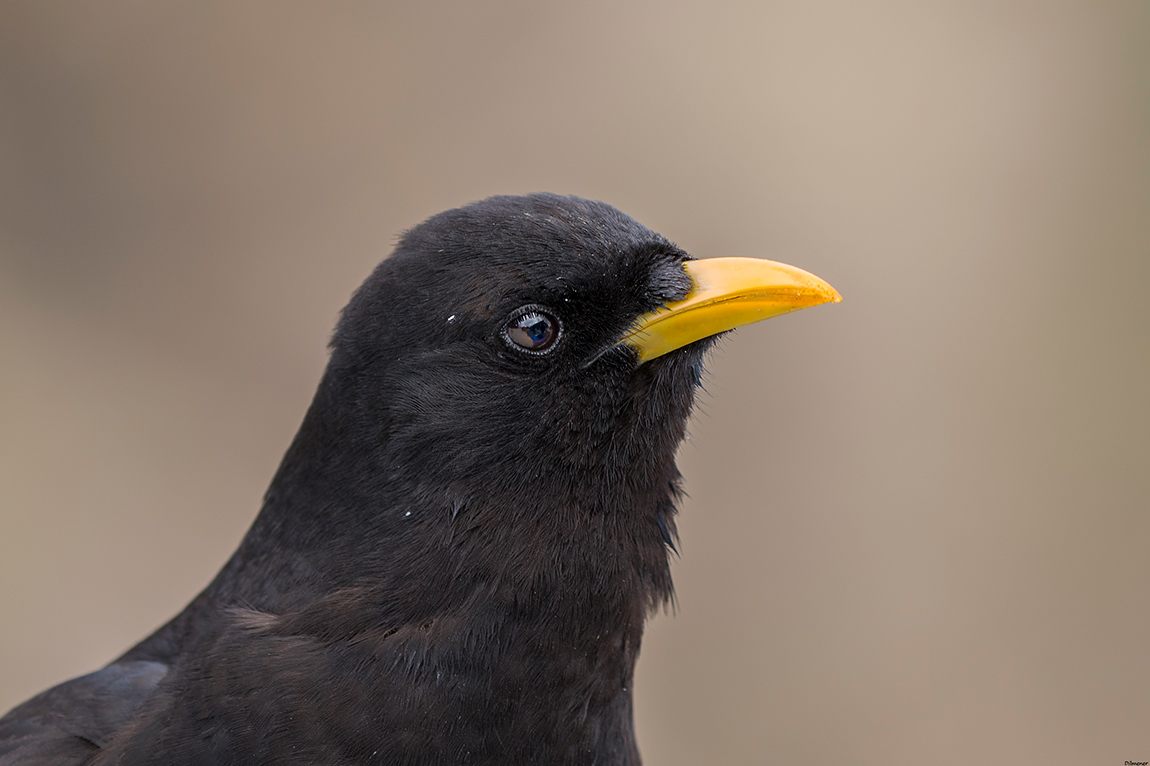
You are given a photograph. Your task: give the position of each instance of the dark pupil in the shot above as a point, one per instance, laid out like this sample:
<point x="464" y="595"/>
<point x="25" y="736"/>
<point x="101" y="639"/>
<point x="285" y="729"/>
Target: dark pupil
<point x="533" y="331"/>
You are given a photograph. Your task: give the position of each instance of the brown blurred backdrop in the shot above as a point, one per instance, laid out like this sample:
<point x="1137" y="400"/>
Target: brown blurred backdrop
<point x="919" y="524"/>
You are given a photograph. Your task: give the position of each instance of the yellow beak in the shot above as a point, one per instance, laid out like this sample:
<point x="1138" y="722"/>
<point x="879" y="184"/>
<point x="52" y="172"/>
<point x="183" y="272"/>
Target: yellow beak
<point x="727" y="293"/>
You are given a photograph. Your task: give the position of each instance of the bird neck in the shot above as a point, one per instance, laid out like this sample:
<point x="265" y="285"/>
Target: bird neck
<point x="337" y="520"/>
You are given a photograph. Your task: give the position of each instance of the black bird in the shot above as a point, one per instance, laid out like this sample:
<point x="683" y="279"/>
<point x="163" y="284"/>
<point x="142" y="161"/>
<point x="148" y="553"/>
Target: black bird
<point x="454" y="561"/>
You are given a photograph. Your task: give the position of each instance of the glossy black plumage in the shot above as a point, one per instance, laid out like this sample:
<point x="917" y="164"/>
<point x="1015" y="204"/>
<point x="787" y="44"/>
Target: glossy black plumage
<point x="455" y="559"/>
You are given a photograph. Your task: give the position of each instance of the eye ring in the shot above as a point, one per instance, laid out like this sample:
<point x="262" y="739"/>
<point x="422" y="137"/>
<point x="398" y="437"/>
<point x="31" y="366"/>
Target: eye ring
<point x="532" y="330"/>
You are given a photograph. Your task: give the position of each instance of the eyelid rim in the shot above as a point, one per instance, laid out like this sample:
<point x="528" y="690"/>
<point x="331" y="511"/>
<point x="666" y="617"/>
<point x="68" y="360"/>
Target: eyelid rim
<point x="533" y="308"/>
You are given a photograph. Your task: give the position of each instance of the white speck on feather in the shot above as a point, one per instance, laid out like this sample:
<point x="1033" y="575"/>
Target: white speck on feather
<point x="451" y="318"/>
<point x="407" y="514"/>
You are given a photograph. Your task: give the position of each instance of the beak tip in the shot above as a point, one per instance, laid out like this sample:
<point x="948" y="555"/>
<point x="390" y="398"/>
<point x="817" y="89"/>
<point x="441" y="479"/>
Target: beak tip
<point x="821" y="292"/>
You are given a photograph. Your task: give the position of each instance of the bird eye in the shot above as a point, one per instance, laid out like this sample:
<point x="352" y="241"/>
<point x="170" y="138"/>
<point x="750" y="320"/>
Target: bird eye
<point x="532" y="330"/>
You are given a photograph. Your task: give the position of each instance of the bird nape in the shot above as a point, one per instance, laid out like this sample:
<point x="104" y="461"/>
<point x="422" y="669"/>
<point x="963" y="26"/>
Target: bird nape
<point x="455" y="559"/>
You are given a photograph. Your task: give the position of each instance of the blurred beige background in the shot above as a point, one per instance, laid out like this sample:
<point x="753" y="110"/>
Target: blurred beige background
<point x="919" y="524"/>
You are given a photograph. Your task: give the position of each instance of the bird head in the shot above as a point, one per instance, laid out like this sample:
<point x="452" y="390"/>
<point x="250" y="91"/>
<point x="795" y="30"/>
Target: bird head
<point x="541" y="345"/>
